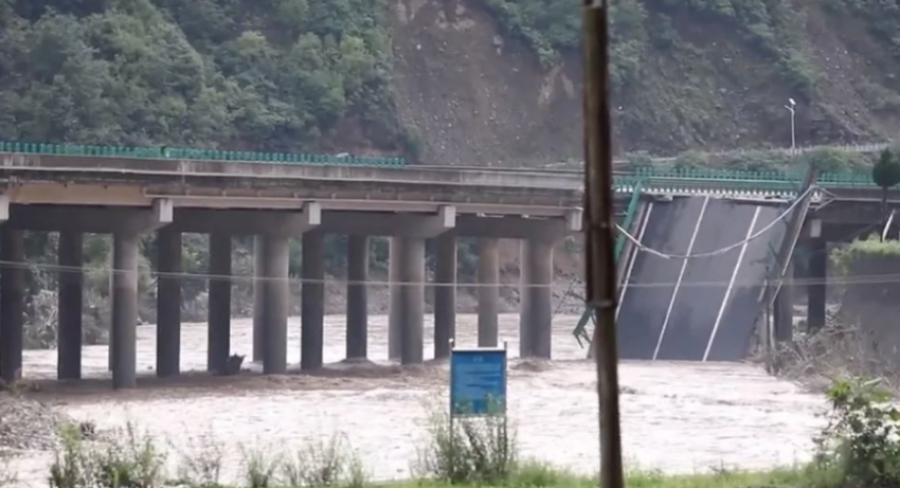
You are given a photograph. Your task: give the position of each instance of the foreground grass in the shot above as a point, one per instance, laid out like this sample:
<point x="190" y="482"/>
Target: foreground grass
<point x="536" y="475"/>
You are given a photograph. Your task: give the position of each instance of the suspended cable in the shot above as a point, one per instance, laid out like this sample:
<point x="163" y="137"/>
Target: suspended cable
<point x="723" y="250"/>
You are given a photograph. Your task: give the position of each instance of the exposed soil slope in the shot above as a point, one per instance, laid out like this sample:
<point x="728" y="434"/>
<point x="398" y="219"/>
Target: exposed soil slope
<point x="476" y="97"/>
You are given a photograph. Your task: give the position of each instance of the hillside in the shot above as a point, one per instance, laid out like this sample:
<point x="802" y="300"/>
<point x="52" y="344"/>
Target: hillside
<point x="475" y="82"/>
<point x="498" y="81"/>
<point x="443" y="81"/>
<point x="271" y="75"/>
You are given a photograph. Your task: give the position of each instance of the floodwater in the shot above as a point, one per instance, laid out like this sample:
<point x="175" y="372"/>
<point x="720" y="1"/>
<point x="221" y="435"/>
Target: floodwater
<point x="677" y="417"/>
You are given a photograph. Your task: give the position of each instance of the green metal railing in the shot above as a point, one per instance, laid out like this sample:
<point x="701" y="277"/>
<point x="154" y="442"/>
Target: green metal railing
<point x="737" y="179"/>
<point x="628" y="218"/>
<point x="195" y="154"/>
<point x="648" y="176"/>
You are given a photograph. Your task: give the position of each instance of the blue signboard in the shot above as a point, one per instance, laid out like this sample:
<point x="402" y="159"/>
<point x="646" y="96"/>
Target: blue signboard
<point x="477" y="382"/>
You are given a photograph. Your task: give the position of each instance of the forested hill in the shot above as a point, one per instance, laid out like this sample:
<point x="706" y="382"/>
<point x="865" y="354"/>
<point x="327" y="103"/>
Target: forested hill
<point x="280" y="75"/>
<point x="444" y="81"/>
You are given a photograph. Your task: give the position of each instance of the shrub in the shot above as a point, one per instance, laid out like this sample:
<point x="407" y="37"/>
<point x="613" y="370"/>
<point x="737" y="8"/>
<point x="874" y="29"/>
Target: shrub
<point x="468" y="450"/>
<point x="861" y="443"/>
<point x="260" y="468"/>
<point x="125" y="459"/>
<point x="202" y="466"/>
<point x="325" y="463"/>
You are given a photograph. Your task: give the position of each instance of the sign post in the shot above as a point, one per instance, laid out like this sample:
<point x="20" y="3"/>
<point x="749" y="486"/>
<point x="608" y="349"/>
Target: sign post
<point x="477" y="382"/>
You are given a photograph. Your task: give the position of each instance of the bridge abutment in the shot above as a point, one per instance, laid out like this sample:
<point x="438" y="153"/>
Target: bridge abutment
<point x="444" y="294"/>
<point x="488" y="291"/>
<point x="536" y="316"/>
<point x="357" y="297"/>
<point x="12" y="304"/>
<point x="168" y="303"/>
<point x="70" y="305"/>
<point x="312" y="313"/>
<point x="219" y="312"/>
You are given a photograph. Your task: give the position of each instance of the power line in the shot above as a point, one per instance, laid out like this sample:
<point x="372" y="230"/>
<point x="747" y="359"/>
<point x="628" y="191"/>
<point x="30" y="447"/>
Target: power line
<point x="237" y="278"/>
<point x="724" y="250"/>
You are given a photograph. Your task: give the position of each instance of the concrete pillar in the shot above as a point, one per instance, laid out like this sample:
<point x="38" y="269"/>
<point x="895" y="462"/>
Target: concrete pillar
<point x="445" y="295"/>
<point x="273" y="302"/>
<point x="394" y="303"/>
<point x="168" y="304"/>
<point x="536" y="315"/>
<point x="817" y="289"/>
<point x="125" y="310"/>
<point x="357" y="297"/>
<point x="488" y="292"/>
<point x="219" y="310"/>
<point x="258" y="327"/>
<point x="312" y="305"/>
<point x="69" y="322"/>
<point x="408" y="297"/>
<point x="784" y="309"/>
<point x="110" y="350"/>
<point x="12" y="304"/>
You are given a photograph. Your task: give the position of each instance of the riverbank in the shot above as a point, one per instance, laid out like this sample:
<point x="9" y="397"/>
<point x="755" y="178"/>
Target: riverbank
<point x="678" y="418"/>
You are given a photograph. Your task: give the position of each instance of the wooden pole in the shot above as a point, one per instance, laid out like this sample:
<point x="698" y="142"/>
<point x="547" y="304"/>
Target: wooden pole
<point x="601" y="266"/>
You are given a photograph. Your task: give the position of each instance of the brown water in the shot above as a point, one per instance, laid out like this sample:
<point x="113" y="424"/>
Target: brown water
<point x="677" y="417"/>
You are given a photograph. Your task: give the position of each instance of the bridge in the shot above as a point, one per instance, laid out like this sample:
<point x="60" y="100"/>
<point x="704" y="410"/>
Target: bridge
<point x="128" y="193"/>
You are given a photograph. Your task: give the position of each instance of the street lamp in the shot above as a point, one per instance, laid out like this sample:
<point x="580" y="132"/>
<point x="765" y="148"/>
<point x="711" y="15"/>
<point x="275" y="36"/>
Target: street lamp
<point x="793" y="113"/>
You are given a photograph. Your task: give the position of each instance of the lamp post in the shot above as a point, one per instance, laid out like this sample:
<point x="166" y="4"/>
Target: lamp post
<point x="791" y="108"/>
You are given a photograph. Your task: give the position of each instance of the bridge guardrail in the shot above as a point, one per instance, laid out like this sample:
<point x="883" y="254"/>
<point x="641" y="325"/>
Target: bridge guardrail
<point x="196" y="154"/>
<point x="651" y="177"/>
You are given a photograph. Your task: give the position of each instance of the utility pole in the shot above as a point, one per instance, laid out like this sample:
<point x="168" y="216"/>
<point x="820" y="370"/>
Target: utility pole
<point x="601" y="266"/>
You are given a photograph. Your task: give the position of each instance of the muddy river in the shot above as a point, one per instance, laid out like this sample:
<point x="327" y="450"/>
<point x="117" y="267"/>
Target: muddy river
<point x="676" y="417"/>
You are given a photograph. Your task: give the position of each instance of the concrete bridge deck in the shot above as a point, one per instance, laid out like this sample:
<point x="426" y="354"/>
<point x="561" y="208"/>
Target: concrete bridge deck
<point x="131" y="197"/>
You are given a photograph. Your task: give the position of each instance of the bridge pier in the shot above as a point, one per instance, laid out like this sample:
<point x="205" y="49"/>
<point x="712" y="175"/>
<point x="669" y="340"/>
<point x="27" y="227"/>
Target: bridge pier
<point x="488" y="291"/>
<point x="312" y="313"/>
<point x="405" y="334"/>
<point x="125" y="309"/>
<point x="784" y="308"/>
<point x="259" y="337"/>
<point x="70" y="304"/>
<point x="168" y="303"/>
<point x="445" y="294"/>
<point x="536" y="315"/>
<point x="219" y="312"/>
<point x="817" y="290"/>
<point x="12" y="304"/>
<point x="357" y="297"/>
<point x="272" y="301"/>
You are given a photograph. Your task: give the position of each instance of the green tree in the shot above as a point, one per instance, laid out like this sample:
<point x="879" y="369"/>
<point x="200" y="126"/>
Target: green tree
<point x="292" y="14"/>
<point x="886" y="174"/>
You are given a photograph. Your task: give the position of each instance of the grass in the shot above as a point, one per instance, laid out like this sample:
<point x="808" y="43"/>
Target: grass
<point x="473" y="453"/>
<point x="540" y="475"/>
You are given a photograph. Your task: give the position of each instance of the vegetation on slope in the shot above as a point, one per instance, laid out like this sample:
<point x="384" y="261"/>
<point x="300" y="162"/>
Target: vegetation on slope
<point x="270" y="75"/>
<point x="277" y="75"/>
<point x="689" y="74"/>
<point x="551" y="28"/>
